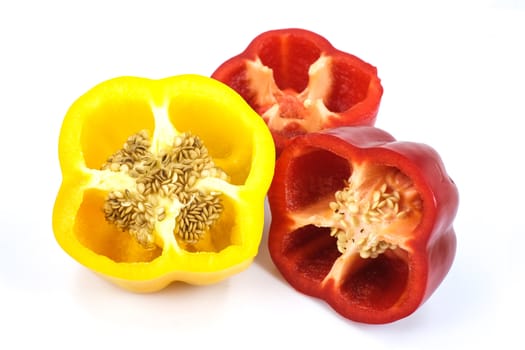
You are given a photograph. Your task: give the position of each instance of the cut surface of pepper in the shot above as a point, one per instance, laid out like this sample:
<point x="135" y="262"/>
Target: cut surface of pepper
<point x="299" y="83"/>
<point x="155" y="189"/>
<point x="362" y="221"/>
<point x="166" y="189"/>
<point x="367" y="215"/>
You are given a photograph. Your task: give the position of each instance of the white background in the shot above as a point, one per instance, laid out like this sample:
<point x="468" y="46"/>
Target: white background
<point x="453" y="74"/>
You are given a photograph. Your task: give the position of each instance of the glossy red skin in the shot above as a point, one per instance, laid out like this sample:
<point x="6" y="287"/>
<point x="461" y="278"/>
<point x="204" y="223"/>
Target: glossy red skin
<point x="432" y="245"/>
<point x="354" y="97"/>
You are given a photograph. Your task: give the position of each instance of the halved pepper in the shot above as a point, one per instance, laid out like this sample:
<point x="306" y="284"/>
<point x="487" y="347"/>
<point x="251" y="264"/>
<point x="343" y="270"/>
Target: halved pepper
<point x="299" y="83"/>
<point x="362" y="221"/>
<point x="163" y="180"/>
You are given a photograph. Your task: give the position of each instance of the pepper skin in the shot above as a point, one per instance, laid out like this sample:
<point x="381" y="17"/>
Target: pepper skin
<point x="163" y="180"/>
<point x="299" y="83"/>
<point x="362" y="221"/>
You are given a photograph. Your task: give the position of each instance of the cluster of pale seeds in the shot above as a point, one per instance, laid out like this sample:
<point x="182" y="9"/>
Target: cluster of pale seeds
<point x="170" y="175"/>
<point x="354" y="219"/>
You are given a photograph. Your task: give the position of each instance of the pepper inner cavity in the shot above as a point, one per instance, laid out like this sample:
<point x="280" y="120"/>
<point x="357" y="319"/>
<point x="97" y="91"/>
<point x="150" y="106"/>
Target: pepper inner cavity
<point x="162" y="181"/>
<point x="368" y="214"/>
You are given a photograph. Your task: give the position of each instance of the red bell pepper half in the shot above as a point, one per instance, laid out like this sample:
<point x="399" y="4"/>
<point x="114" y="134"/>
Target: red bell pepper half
<point x="299" y="83"/>
<point x="362" y="221"/>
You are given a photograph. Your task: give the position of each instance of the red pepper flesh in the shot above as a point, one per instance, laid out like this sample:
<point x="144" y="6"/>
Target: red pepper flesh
<point x="362" y="221"/>
<point x="299" y="83"/>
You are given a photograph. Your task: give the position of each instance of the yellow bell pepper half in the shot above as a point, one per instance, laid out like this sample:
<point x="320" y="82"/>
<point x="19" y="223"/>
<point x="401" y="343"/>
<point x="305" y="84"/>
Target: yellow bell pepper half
<point x="162" y="181"/>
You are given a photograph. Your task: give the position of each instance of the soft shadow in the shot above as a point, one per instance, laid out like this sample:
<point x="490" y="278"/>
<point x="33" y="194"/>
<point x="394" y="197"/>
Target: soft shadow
<point x="263" y="258"/>
<point x="464" y="297"/>
<point x="179" y="304"/>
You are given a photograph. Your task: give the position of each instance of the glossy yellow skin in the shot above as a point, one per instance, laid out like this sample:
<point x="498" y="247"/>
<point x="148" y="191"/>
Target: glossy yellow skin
<point x="98" y="124"/>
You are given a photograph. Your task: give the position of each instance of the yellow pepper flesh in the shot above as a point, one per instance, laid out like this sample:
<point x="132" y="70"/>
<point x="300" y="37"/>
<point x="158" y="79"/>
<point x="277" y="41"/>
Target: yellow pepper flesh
<point x="100" y="122"/>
